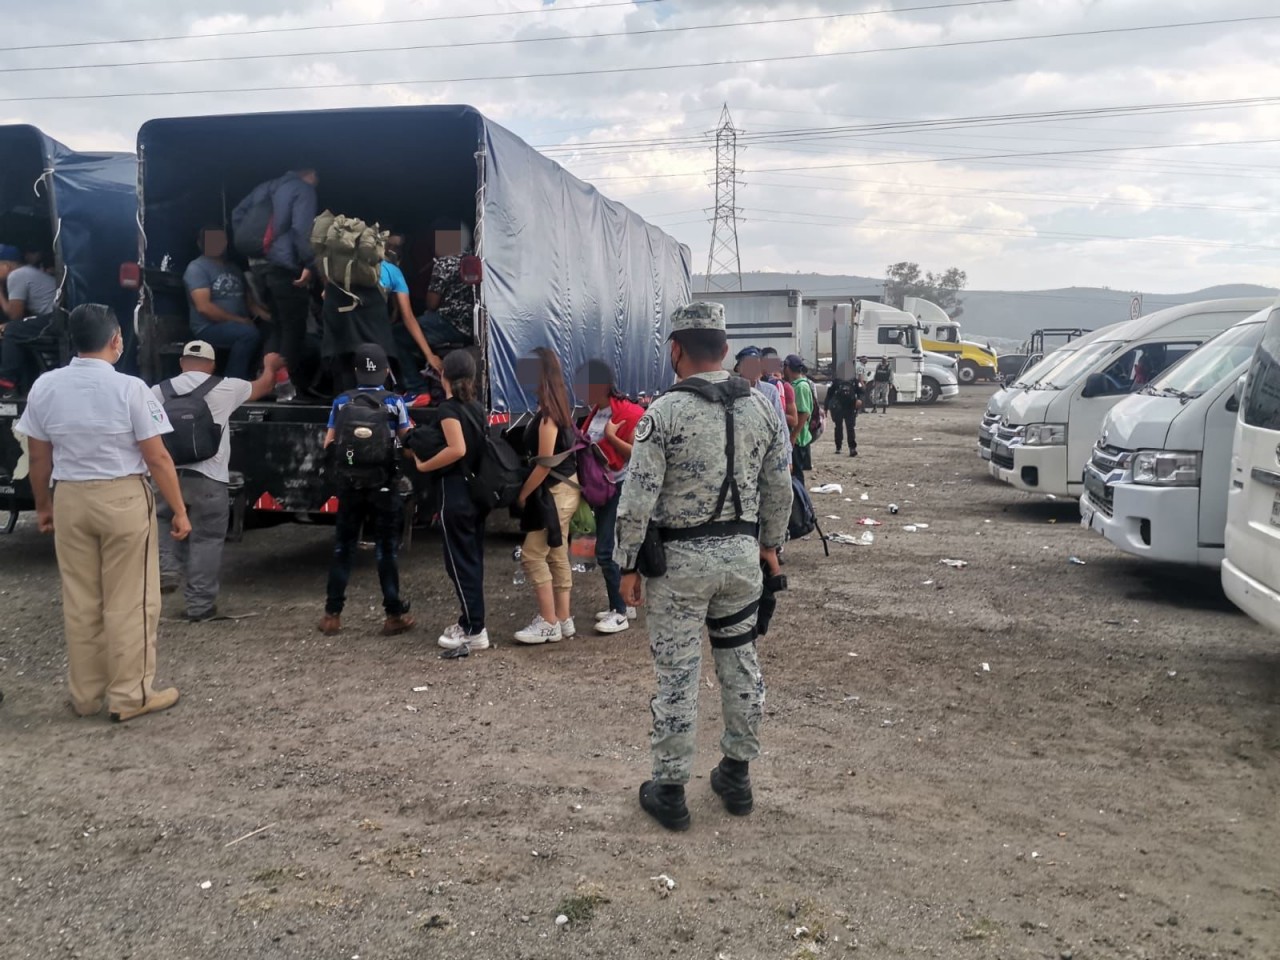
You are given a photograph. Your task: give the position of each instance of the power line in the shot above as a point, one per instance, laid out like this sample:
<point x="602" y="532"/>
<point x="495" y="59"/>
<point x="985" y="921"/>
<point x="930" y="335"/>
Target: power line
<point x="648" y="31"/>
<point x="649" y="68"/>
<point x="332" y="26"/>
<point x="783" y="135"/>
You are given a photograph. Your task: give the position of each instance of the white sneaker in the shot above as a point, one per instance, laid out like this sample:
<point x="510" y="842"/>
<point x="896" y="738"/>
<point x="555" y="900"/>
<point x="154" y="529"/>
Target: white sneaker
<point x="539" y="632"/>
<point x="479" y="641"/>
<point x="606" y="614"/>
<point x="613" y="623"/>
<point x="452" y="638"/>
<point x="568" y="629"/>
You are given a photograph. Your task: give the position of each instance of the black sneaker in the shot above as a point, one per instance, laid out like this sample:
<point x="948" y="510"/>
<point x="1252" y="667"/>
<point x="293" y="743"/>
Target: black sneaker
<point x="732" y="784"/>
<point x="665" y="803"/>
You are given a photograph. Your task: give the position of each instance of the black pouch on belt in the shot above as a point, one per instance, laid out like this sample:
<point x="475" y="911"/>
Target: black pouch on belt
<point x="651" y="562"/>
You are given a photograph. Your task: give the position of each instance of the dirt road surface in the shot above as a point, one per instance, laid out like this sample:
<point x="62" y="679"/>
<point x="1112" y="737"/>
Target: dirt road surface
<point x="1024" y="758"/>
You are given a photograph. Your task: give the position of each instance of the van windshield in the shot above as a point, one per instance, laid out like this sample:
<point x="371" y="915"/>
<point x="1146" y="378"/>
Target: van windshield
<point x="1044" y="366"/>
<point x="1079" y="364"/>
<point x="1211" y="364"/>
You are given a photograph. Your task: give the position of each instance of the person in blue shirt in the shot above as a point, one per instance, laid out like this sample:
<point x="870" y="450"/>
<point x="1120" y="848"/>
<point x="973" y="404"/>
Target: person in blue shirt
<point x="413" y="350"/>
<point x="367" y="494"/>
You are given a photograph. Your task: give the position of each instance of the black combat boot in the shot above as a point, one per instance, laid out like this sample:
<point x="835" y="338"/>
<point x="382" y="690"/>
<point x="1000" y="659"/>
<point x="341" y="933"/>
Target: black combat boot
<point x="732" y="784"/>
<point x="665" y="803"/>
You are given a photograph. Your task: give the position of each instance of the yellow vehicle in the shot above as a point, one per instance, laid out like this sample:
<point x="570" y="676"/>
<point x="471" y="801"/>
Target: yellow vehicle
<point x="942" y="335"/>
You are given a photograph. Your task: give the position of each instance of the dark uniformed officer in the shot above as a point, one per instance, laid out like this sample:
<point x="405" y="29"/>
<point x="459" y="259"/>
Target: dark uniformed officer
<point x="709" y="479"/>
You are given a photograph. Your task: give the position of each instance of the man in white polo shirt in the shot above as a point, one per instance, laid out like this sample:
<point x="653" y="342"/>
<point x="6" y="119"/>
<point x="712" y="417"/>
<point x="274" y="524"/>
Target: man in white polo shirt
<point x="97" y="433"/>
<point x="204" y="483"/>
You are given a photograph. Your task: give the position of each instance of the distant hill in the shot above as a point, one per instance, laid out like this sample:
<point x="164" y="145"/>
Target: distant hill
<point x="1010" y="314"/>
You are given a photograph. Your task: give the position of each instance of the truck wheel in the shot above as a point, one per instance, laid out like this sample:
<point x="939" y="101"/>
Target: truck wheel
<point x="929" y="390"/>
<point x="968" y="371"/>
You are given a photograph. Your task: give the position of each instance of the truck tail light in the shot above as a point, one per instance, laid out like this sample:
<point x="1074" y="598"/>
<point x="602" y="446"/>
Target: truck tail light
<point x="131" y="275"/>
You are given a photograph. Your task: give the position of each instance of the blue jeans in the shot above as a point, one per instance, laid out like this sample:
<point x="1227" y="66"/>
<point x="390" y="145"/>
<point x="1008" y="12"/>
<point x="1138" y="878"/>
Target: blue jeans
<point x="606" y="524"/>
<point x="241" y="339"/>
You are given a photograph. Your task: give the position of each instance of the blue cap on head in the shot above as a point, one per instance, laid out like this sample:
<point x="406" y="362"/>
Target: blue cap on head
<point x="748" y="352"/>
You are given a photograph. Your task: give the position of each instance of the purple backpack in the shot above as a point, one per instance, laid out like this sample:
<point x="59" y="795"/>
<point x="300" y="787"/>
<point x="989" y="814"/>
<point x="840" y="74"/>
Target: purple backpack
<point x="598" y="487"/>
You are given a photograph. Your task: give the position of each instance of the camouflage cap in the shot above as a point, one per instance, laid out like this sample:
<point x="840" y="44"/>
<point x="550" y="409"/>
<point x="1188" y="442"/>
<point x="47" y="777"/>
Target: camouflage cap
<point x="698" y="316"/>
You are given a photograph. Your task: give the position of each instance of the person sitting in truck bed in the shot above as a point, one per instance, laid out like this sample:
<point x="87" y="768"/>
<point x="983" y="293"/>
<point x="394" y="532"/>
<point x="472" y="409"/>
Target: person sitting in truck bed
<point x="28" y="301"/>
<point x="451" y="298"/>
<point x="223" y="309"/>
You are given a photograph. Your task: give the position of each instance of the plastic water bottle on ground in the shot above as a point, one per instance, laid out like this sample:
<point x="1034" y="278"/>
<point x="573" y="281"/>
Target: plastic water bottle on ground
<point x="517" y="555"/>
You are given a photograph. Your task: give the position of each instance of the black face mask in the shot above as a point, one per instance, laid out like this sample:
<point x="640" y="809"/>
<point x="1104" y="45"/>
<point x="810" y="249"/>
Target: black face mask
<point x="672" y="356"/>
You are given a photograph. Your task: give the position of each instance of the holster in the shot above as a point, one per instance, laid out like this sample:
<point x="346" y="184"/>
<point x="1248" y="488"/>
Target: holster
<point x="773" y="585"/>
<point x="651" y="562"/>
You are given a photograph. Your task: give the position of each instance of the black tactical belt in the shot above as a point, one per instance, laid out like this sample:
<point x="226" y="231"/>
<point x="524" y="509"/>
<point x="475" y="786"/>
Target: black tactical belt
<point x="722" y="528"/>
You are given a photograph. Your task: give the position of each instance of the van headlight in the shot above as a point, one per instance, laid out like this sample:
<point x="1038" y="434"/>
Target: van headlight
<point x="1165" y="468"/>
<point x="1045" y="434"/>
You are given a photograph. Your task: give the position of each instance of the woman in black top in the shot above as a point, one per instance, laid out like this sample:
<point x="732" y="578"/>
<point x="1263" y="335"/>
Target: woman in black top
<point x="549" y="499"/>
<point x="461" y="523"/>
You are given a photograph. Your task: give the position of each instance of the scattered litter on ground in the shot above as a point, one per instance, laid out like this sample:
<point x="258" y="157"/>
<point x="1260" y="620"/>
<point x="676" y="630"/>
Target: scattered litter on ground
<point x="827" y="488"/>
<point x="893" y="508"/>
<point x="663" y="884"/>
<point x="910" y="528"/>
<point x="926" y="583"/>
<point x="1075" y="561"/>
<point x="916" y="439"/>
<point x="911" y="485"/>
<point x="832" y="517"/>
<point x="866" y="496"/>
<point x="870" y="522"/>
<point x="986" y="668"/>
<point x="579" y="568"/>
<point x="562" y="920"/>
<point x="208" y="884"/>
<point x="456" y="654"/>
<point x="955" y="564"/>
<point x="800" y="932"/>
<point x="923" y="526"/>
<point x="411" y="708"/>
<point x="421" y="689"/>
<point x="866" y="540"/>
<point x="1172" y="674"/>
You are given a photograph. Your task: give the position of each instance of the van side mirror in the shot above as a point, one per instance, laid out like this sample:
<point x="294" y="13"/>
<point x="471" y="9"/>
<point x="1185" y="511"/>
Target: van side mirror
<point x="1233" y="402"/>
<point x="1095" y="386"/>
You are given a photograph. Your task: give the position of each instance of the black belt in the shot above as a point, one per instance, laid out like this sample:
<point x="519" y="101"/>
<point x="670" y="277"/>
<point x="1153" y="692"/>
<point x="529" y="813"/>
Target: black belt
<point x="719" y="528"/>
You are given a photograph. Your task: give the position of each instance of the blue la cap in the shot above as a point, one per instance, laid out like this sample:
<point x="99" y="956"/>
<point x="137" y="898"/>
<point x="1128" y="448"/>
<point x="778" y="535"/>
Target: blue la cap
<point x="11" y="253"/>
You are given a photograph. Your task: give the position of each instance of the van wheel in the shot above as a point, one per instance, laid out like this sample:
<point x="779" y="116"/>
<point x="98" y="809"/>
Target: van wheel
<point x="968" y="371"/>
<point x="929" y="390"/>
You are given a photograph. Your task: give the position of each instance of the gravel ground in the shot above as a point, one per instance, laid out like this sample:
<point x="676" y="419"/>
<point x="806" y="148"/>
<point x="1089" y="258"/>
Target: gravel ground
<point x="1107" y="788"/>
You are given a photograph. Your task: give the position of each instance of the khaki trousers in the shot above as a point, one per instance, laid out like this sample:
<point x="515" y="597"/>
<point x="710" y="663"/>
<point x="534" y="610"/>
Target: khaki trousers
<point x="544" y="564"/>
<point x="105" y="536"/>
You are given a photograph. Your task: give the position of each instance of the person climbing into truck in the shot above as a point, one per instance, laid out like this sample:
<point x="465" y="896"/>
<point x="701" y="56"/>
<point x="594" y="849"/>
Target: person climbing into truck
<point x="413" y="351"/>
<point x="272" y="228"/>
<point x="366" y="425"/>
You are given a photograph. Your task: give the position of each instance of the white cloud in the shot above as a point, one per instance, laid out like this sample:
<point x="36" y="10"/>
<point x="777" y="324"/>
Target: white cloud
<point x="1000" y="219"/>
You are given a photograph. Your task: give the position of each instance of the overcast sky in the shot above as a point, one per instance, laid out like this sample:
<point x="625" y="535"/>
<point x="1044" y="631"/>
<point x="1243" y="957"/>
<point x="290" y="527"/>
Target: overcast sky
<point x="1178" y="218"/>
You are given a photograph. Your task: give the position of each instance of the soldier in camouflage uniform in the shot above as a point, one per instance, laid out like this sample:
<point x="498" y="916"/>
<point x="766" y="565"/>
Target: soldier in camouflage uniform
<point x="450" y="297"/>
<point x="718" y="527"/>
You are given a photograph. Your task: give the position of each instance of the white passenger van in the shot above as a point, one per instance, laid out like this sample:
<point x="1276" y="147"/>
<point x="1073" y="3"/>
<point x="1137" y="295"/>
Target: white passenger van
<point x="1156" y="485"/>
<point x="1251" y="570"/>
<point x="1000" y="400"/>
<point x="1047" y="434"/>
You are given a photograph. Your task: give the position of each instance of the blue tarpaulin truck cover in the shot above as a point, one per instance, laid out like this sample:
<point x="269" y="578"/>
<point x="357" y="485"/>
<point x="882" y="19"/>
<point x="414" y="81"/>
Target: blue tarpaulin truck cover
<point x="82" y="206"/>
<point x="564" y="266"/>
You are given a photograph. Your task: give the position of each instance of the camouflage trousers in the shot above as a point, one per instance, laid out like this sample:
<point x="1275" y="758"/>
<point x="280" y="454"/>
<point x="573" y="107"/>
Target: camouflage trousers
<point x="713" y="583"/>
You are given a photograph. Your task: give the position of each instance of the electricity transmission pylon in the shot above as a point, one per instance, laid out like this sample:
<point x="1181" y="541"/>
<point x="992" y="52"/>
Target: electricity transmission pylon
<point x="724" y="266"/>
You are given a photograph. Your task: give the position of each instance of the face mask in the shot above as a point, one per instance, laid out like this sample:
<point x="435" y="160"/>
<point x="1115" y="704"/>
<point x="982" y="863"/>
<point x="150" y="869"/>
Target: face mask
<point x="675" y="365"/>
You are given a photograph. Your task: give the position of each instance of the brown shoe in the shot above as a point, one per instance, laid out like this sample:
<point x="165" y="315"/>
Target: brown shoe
<point x="330" y="624"/>
<point x="159" y="700"/>
<point x="394" y="626"/>
<point x="90" y="709"/>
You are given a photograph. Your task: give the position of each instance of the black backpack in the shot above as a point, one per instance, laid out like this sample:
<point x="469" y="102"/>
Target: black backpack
<point x="364" y="445"/>
<point x="804" y="520"/>
<point x="196" y="435"/>
<point x="252" y="224"/>
<point x="499" y="473"/>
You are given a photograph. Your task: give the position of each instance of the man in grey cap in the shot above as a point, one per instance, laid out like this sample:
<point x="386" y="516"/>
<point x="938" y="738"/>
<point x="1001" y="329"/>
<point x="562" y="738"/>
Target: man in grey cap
<point x="704" y="509"/>
<point x="204" y="480"/>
